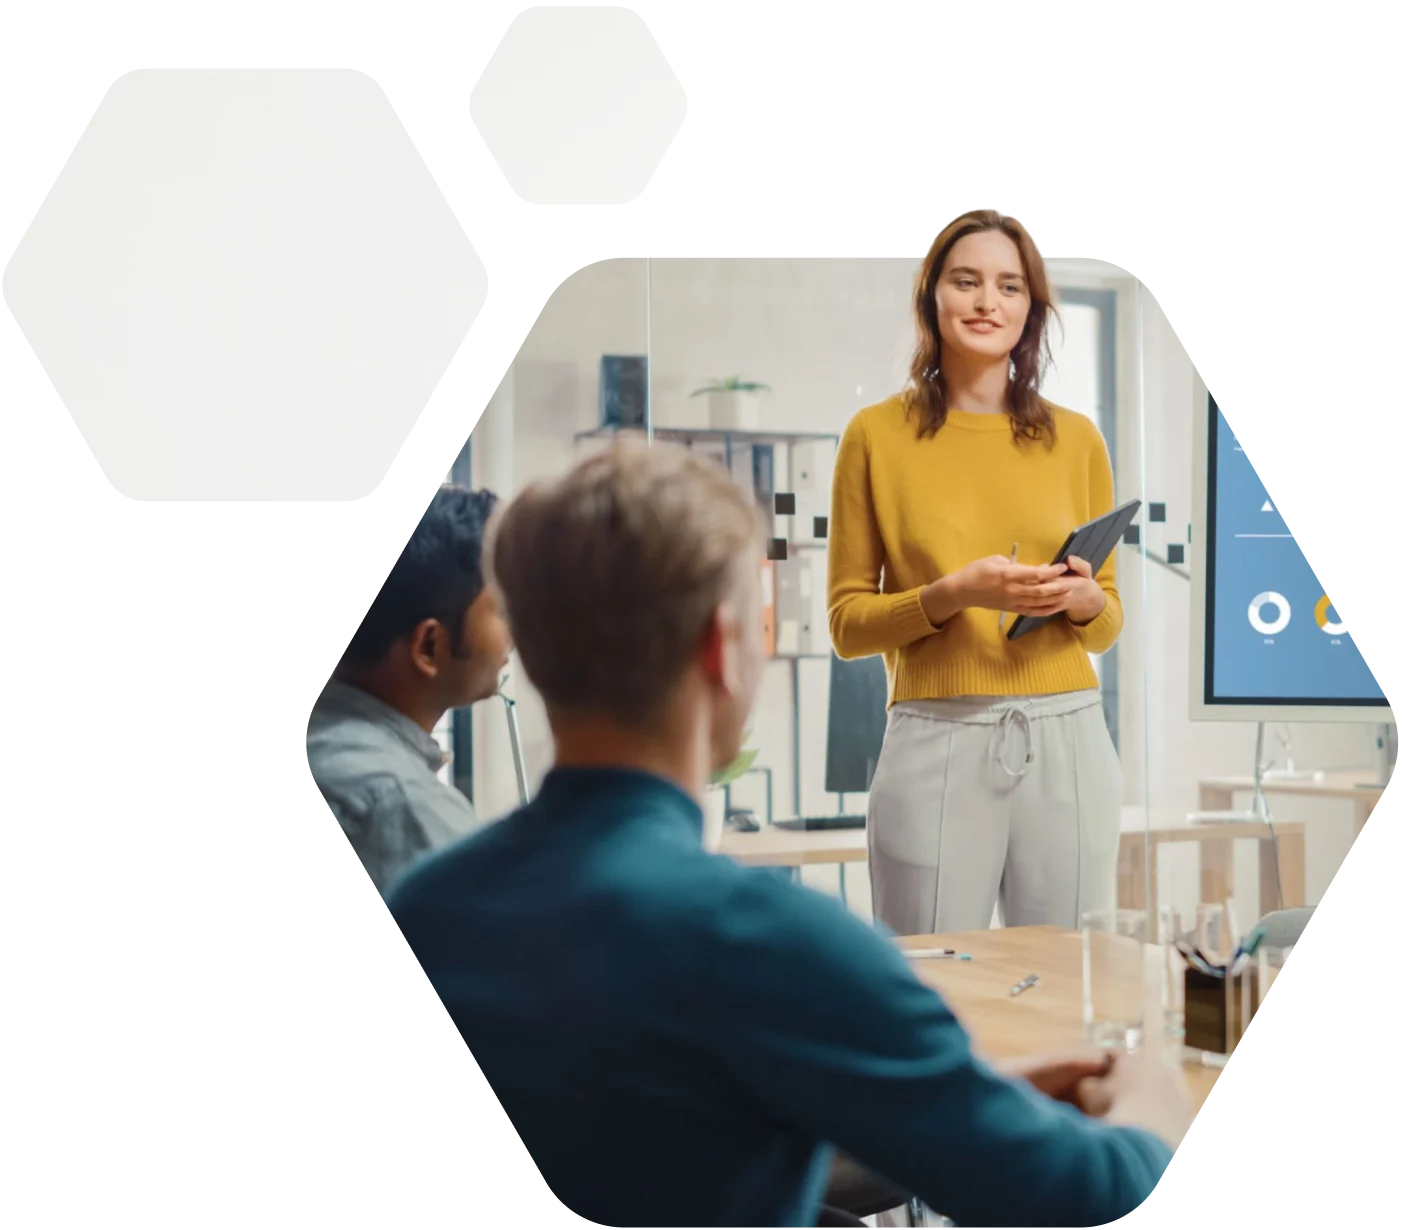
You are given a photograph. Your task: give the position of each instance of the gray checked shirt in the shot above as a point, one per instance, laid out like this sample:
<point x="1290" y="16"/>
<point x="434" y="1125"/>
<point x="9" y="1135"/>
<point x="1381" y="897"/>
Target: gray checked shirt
<point x="378" y="772"/>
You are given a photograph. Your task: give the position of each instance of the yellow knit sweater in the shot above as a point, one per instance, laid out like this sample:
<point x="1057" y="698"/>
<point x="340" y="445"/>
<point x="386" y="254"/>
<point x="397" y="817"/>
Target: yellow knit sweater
<point x="907" y="511"/>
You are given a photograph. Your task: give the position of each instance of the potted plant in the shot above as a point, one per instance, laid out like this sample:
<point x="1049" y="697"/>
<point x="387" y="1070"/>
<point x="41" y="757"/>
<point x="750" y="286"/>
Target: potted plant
<point x="714" y="802"/>
<point x="733" y="404"/>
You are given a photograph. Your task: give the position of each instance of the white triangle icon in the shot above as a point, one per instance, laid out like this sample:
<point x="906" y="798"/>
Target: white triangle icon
<point x="1267" y="506"/>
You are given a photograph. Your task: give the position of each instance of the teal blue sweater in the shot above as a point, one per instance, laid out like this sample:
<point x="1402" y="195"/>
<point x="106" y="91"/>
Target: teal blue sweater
<point x="681" y="1041"/>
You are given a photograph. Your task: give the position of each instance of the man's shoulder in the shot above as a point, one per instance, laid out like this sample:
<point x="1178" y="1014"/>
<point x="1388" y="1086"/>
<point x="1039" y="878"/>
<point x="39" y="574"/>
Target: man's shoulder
<point x="759" y="898"/>
<point x="740" y="923"/>
<point x="484" y="854"/>
<point x="760" y="919"/>
<point x="339" y="742"/>
<point x="360" y="773"/>
<point x="361" y="768"/>
<point x="346" y="746"/>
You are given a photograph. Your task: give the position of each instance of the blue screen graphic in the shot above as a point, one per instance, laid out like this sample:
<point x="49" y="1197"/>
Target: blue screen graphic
<point x="1276" y="636"/>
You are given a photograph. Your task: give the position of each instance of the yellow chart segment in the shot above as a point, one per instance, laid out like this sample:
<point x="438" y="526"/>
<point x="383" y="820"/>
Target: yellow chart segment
<point x="1324" y="622"/>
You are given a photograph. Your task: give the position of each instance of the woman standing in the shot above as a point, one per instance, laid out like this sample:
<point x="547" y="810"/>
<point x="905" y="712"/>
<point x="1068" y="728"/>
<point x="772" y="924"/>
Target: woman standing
<point x="998" y="780"/>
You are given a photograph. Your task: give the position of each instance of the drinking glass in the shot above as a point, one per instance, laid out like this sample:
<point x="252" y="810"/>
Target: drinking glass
<point x="1173" y="927"/>
<point x="1114" y="977"/>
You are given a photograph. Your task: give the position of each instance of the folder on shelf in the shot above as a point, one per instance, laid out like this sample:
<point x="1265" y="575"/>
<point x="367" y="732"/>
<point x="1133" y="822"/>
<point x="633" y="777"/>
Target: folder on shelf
<point x="768" y="606"/>
<point x="814" y="608"/>
<point x="789" y="607"/>
<point x="763" y="475"/>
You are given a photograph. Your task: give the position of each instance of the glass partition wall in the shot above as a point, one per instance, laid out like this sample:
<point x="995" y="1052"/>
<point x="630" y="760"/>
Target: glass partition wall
<point x="761" y="364"/>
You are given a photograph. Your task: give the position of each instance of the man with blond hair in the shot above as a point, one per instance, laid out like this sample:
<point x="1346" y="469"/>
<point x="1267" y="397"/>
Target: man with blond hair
<point x="679" y="1040"/>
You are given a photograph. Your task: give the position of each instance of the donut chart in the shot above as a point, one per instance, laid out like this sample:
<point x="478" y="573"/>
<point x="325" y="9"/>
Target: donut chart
<point x="1332" y="627"/>
<point x="1269" y="627"/>
<point x="1275" y="648"/>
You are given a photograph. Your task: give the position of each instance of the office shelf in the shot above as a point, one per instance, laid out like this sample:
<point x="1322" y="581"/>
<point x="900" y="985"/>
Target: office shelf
<point x="703" y="435"/>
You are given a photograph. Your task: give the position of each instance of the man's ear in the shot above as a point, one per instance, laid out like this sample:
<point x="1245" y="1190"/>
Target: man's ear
<point x="426" y="642"/>
<point x="712" y="655"/>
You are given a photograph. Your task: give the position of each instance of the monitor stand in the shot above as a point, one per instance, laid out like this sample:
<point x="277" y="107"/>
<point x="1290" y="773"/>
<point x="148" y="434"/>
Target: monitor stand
<point x="1289" y="771"/>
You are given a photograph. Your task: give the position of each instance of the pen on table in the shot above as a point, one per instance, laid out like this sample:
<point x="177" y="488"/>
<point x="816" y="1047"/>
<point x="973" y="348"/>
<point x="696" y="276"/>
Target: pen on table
<point x="1246" y="950"/>
<point x="934" y="954"/>
<point x="1197" y="959"/>
<point x="1020" y="987"/>
<point x="1013" y="558"/>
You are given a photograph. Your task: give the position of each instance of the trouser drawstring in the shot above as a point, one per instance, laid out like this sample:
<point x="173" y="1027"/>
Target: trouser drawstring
<point x="1014" y="716"/>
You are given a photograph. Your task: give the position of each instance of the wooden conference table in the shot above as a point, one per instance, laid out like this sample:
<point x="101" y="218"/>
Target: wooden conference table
<point x="1048" y="1017"/>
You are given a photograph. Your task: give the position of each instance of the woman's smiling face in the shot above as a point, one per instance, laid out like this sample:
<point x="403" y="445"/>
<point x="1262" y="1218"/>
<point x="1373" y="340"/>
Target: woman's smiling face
<point x="982" y="297"/>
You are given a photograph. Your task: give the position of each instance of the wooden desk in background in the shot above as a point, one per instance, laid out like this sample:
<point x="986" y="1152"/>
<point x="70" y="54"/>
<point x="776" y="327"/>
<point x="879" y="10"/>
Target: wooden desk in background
<point x="1354" y="785"/>
<point x="1046" y="1018"/>
<point x="1215" y="841"/>
<point x="790" y="849"/>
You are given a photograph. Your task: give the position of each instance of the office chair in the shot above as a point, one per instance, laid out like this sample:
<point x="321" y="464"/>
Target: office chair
<point x="857" y="1191"/>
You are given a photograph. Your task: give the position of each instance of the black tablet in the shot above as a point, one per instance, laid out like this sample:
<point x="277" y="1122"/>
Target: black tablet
<point x="1092" y="542"/>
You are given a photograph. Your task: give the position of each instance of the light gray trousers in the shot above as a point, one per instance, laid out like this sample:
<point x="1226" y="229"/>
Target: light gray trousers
<point x="978" y="800"/>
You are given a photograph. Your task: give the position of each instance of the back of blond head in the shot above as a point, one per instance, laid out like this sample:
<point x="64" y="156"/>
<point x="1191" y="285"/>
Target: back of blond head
<point x="611" y="573"/>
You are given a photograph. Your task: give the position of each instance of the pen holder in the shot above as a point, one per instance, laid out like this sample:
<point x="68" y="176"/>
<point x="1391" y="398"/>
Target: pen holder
<point x="1218" y="1008"/>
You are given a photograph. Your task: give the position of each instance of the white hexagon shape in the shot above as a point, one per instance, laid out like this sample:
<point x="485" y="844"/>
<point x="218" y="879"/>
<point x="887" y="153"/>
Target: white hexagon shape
<point x="245" y="285"/>
<point x="578" y="106"/>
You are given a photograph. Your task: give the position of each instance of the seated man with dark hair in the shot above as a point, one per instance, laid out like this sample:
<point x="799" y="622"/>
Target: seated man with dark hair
<point x="433" y="640"/>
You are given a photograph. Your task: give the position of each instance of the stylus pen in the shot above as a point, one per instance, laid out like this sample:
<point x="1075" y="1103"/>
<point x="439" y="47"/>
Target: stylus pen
<point x="1013" y="559"/>
<point x="933" y="954"/>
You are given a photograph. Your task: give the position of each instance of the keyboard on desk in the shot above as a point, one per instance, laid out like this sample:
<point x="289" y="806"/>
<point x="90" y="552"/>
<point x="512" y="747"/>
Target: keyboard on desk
<point x="819" y="824"/>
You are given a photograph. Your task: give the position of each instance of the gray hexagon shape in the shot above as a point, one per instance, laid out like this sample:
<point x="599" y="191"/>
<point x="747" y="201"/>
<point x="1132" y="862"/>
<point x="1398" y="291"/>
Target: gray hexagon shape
<point x="245" y="285"/>
<point x="579" y="106"/>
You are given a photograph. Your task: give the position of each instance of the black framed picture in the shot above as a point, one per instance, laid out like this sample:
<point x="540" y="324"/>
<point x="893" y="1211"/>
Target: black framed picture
<point x="623" y="390"/>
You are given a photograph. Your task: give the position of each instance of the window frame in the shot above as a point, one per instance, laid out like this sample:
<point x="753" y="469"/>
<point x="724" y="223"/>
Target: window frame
<point x="461" y="720"/>
<point x="1105" y="303"/>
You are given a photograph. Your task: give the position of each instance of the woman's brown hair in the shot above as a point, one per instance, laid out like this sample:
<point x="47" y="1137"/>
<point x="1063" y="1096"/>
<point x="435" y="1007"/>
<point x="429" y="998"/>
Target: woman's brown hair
<point x="1030" y="416"/>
